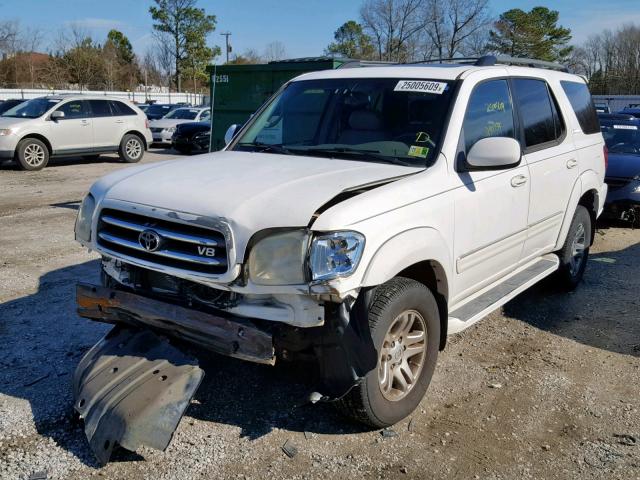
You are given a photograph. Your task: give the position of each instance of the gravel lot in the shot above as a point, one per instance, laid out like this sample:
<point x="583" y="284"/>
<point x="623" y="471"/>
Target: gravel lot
<point x="546" y="388"/>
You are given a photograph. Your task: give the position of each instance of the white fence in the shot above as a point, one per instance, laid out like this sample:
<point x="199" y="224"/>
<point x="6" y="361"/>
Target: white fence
<point x="139" y="97"/>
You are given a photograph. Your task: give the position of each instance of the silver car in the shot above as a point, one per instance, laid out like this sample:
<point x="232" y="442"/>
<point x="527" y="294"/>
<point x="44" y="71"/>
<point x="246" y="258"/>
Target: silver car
<point x="163" y="129"/>
<point x="83" y="125"/>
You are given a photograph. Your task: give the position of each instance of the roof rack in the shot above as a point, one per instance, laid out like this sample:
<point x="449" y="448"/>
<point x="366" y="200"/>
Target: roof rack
<point x="491" y="60"/>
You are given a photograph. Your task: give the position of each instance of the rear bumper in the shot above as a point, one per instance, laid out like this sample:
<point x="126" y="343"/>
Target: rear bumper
<point x="234" y="337"/>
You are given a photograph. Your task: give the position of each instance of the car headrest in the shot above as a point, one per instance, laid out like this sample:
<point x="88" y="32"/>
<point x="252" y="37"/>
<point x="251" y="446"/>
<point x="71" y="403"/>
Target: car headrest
<point x="365" y="120"/>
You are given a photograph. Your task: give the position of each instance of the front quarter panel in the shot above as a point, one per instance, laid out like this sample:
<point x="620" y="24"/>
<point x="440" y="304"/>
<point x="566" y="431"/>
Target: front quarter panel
<point x="404" y="222"/>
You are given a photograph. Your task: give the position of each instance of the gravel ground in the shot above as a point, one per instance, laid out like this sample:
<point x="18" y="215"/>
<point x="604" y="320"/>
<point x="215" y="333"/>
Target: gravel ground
<point x="546" y="388"/>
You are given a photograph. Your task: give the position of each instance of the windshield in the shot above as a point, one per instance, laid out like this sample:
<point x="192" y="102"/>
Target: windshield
<point x="369" y="119"/>
<point x="622" y="138"/>
<point x="183" y="114"/>
<point x="32" y="108"/>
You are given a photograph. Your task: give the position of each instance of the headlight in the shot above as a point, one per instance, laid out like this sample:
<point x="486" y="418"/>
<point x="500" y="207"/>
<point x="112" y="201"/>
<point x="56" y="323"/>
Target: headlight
<point x="83" y="221"/>
<point x="335" y="254"/>
<point x="170" y="129"/>
<point x="202" y="135"/>
<point x="279" y="259"/>
<point x="6" y="131"/>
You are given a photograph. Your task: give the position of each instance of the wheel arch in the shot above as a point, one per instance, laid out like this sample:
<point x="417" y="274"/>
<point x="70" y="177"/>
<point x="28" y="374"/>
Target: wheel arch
<point x="420" y="254"/>
<point x="37" y="136"/>
<point x="139" y="135"/>
<point x="585" y="192"/>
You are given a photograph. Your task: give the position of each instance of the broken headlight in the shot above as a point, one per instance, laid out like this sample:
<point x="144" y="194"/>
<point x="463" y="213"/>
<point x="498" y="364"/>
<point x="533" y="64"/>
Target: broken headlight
<point x="83" y="221"/>
<point x="335" y="254"/>
<point x="279" y="259"/>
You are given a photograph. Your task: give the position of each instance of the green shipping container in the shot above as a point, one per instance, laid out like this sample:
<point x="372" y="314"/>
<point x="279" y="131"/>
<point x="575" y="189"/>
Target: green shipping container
<point x="237" y="91"/>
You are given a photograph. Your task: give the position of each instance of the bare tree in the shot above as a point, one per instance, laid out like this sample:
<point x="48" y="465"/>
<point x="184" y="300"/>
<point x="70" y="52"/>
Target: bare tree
<point x="454" y="26"/>
<point x="391" y="24"/>
<point x="274" y="51"/>
<point x="30" y="42"/>
<point x="163" y="56"/>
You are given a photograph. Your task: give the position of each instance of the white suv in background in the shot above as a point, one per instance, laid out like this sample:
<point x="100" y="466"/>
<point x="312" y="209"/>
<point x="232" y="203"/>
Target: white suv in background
<point x="45" y="127"/>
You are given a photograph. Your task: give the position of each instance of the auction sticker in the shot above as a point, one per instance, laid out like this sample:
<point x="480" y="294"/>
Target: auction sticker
<point x="423" y="86"/>
<point x="625" y="127"/>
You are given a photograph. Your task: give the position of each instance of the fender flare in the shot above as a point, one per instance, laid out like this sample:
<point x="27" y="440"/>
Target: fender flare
<point x="405" y="249"/>
<point x="587" y="180"/>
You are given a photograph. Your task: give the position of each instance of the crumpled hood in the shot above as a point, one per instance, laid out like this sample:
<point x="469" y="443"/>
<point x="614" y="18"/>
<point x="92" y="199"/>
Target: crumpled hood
<point x="251" y="191"/>
<point x="623" y="165"/>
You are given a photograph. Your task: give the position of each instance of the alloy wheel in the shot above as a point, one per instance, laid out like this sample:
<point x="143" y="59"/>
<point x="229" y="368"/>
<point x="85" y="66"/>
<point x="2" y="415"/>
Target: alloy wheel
<point x="34" y="155"/>
<point x="402" y="355"/>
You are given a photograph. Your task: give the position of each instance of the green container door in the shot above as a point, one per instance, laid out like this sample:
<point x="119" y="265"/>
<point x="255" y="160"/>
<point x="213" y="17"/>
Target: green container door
<point x="237" y="91"/>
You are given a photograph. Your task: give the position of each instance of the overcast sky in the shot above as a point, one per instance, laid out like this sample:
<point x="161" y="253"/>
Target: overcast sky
<point x="305" y="27"/>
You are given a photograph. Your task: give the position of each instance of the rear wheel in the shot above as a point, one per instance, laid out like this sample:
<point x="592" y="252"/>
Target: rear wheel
<point x="405" y="328"/>
<point x="32" y="154"/>
<point x="575" y="251"/>
<point x="131" y="148"/>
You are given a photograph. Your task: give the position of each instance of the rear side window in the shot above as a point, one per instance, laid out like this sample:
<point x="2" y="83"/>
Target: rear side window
<point x="120" y="108"/>
<point x="538" y="112"/>
<point x="489" y="113"/>
<point x="580" y="99"/>
<point x="100" y="108"/>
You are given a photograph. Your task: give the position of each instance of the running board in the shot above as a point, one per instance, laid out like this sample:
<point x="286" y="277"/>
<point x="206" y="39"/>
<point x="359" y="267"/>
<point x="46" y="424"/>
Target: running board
<point x="494" y="296"/>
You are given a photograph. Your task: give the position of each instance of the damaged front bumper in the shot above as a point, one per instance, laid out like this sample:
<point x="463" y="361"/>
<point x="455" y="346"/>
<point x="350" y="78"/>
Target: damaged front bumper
<point x="133" y="387"/>
<point x="234" y="337"/>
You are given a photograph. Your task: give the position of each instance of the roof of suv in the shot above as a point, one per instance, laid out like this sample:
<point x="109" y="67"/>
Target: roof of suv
<point x="444" y="71"/>
<point x="86" y="97"/>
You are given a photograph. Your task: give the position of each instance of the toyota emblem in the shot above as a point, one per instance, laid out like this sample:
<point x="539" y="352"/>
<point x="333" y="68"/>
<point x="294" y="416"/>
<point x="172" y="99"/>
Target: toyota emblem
<point x="149" y="240"/>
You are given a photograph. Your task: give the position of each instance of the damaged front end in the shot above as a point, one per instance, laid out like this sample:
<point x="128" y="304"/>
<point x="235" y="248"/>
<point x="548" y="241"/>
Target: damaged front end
<point x="133" y="387"/>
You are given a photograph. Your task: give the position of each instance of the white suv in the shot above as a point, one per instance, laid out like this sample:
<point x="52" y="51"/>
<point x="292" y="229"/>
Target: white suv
<point x="360" y="217"/>
<point x="34" y="131"/>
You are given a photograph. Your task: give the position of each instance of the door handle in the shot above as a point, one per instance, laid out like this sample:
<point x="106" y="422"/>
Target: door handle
<point x="518" y="181"/>
<point x="84" y="123"/>
<point x="119" y="121"/>
<point x="572" y="163"/>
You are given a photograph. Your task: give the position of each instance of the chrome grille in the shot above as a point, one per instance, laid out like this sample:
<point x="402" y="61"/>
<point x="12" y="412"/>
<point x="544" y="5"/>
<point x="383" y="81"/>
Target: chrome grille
<point x="188" y="247"/>
<point x="615" y="183"/>
<point x="156" y="129"/>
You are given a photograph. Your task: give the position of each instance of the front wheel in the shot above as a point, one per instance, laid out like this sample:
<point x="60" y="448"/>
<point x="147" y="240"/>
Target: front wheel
<point x="405" y="328"/>
<point x="131" y="148"/>
<point x="574" y="253"/>
<point x="32" y="154"/>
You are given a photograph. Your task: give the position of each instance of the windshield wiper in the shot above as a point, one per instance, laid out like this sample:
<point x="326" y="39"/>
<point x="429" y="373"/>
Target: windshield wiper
<point x="267" y="147"/>
<point x="360" y="152"/>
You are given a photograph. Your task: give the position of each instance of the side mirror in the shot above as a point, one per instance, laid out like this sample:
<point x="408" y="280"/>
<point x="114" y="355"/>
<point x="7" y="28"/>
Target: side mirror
<point x="231" y="131"/>
<point x="57" y="115"/>
<point x="494" y="153"/>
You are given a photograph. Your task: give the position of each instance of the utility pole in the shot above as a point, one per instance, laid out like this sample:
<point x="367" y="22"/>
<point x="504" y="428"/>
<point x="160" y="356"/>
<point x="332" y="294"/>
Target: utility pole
<point x="226" y="36"/>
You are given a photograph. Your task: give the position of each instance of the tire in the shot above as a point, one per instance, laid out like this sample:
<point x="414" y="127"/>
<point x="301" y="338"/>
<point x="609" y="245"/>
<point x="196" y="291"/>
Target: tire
<point x="32" y="154"/>
<point x="396" y="300"/>
<point x="575" y="252"/>
<point x="131" y="148"/>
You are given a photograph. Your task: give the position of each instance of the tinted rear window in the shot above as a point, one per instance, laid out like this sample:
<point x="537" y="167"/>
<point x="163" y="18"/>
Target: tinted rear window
<point x="100" y="108"/>
<point x="580" y="98"/>
<point x="120" y="108"/>
<point x="539" y="114"/>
